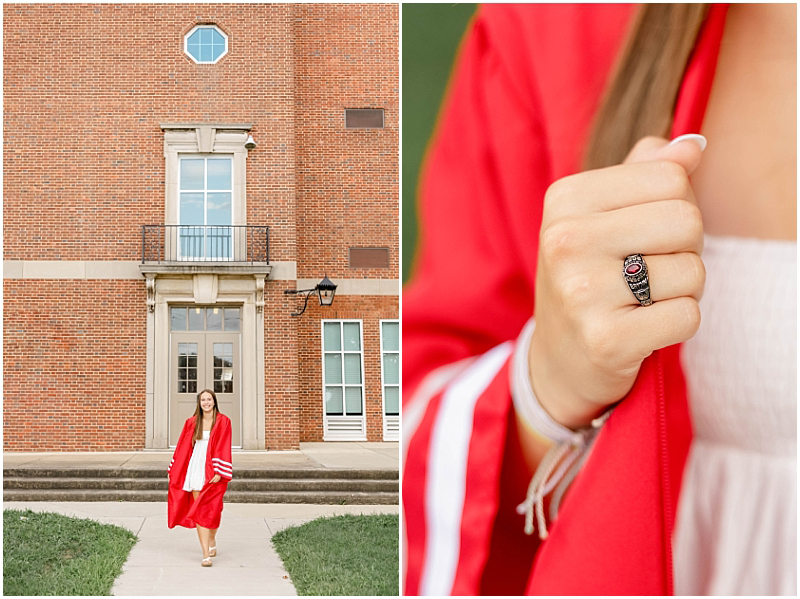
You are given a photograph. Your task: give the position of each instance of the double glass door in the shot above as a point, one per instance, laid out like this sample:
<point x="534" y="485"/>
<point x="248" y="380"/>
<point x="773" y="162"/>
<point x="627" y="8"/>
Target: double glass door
<point x="204" y="354"/>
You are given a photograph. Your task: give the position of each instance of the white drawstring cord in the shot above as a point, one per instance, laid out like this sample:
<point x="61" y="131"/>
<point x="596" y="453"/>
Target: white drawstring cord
<point x="573" y="452"/>
<point x="555" y="500"/>
<point x="563" y="461"/>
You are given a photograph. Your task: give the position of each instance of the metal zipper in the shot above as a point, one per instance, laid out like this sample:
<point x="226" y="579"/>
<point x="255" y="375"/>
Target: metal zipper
<point x="665" y="482"/>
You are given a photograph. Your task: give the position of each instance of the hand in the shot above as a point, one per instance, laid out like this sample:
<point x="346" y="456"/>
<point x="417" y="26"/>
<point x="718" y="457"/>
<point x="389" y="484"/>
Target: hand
<point x="216" y="479"/>
<point x="591" y="333"/>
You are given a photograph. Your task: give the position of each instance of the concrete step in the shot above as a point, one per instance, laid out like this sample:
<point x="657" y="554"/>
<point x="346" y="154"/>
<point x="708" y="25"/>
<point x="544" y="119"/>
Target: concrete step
<point x="160" y="484"/>
<point x="85" y="483"/>
<point x="305" y="484"/>
<point x="316" y="497"/>
<point x="322" y="497"/>
<point x="250" y="485"/>
<point x="239" y="473"/>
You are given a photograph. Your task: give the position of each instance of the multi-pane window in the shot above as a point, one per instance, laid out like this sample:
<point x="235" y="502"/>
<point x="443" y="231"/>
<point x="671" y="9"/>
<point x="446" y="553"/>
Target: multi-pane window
<point x="205" y="319"/>
<point x="343" y="368"/>
<point x="390" y="364"/>
<point x="205" y="207"/>
<point x="223" y="368"/>
<point x="187" y="368"/>
<point x="206" y="44"/>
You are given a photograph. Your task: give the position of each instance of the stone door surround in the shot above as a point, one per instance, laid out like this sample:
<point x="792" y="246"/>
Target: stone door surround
<point x="206" y="289"/>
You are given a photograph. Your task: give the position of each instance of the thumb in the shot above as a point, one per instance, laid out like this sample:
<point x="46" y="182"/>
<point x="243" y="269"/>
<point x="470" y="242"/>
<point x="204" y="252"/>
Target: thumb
<point x="686" y="150"/>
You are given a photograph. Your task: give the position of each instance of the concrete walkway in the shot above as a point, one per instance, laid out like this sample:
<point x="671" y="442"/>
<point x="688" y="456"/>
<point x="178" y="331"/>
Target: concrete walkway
<point x="167" y="562"/>
<point x="358" y="456"/>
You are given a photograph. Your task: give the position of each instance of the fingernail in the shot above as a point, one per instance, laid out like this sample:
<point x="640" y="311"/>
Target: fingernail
<point x="695" y="137"/>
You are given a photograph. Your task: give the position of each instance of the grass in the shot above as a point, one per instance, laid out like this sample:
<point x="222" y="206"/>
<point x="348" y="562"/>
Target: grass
<point x="50" y="554"/>
<point x="343" y="555"/>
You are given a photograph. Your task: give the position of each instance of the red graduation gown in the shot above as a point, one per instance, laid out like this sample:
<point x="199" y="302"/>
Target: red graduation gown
<point x="517" y="117"/>
<point x="182" y="509"/>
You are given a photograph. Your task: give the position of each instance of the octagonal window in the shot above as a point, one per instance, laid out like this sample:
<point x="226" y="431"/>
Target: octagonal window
<point x="206" y="44"/>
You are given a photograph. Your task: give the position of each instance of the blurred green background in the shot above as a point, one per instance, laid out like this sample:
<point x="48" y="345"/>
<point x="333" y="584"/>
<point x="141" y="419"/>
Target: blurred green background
<point x="431" y="35"/>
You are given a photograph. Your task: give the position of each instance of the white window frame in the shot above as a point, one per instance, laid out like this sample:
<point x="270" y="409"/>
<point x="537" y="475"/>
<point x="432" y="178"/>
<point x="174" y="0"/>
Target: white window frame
<point x="200" y="140"/>
<point x="391" y="424"/>
<point x="344" y="427"/>
<point x="205" y="191"/>
<point x="197" y="27"/>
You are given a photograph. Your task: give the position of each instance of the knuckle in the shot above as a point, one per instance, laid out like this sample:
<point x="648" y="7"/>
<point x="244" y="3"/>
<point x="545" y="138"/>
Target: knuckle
<point x="675" y="179"/>
<point x="557" y="191"/>
<point x="692" y="315"/>
<point x="599" y="343"/>
<point x="559" y="240"/>
<point x="699" y="272"/>
<point x="689" y="219"/>
<point x="576" y="291"/>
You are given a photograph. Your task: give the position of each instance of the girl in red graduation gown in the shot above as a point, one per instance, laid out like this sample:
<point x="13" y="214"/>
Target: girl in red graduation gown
<point x="199" y="473"/>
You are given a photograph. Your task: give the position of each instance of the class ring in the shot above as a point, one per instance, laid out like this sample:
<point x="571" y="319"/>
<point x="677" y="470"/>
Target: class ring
<point x="634" y="269"/>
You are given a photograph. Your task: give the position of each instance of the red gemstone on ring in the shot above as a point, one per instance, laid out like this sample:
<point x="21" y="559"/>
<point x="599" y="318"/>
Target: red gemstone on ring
<point x="632" y="269"/>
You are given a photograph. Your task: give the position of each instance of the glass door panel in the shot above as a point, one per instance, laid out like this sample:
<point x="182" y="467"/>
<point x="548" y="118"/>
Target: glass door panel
<point x="223" y="376"/>
<point x="187" y="368"/>
<point x="186" y="372"/>
<point x="204" y="354"/>
<point x="219" y="243"/>
<point x="223" y="368"/>
<point x="206" y="209"/>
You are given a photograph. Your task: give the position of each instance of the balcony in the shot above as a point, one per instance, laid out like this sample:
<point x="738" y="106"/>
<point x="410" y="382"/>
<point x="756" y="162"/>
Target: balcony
<point x="198" y="248"/>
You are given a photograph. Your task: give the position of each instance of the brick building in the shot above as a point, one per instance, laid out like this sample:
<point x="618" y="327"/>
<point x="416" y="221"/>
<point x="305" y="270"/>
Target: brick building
<point x="170" y="171"/>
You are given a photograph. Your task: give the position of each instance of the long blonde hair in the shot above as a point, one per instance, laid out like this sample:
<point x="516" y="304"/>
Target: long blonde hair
<point x="640" y="99"/>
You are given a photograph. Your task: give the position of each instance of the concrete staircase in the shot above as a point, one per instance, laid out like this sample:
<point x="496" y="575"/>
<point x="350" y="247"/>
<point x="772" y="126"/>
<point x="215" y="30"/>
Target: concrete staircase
<point x="250" y="485"/>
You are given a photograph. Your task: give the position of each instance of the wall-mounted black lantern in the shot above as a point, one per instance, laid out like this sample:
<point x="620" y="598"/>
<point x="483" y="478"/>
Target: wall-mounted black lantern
<point x="325" y="290"/>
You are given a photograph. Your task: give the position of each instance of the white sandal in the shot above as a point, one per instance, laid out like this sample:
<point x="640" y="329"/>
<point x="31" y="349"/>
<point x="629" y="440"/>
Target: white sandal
<point x="212" y="552"/>
<point x="206" y="562"/>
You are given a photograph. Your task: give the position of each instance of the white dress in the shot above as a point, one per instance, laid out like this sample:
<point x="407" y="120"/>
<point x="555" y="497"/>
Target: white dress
<point x="736" y="530"/>
<point x="196" y="470"/>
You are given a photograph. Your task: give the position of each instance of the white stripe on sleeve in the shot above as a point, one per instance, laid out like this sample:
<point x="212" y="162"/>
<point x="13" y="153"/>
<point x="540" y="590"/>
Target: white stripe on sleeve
<point x="447" y="459"/>
<point x="432" y="384"/>
<point x="414" y="410"/>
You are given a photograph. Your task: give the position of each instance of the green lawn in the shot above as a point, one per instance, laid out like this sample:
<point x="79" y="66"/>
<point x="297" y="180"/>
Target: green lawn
<point x="50" y="554"/>
<point x="344" y="555"/>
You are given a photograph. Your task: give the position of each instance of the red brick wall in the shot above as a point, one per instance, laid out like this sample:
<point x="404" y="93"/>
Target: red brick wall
<point x="281" y="385"/>
<point x="347" y="182"/>
<point x="347" y="179"/>
<point x="74" y="363"/>
<point x="86" y="88"/>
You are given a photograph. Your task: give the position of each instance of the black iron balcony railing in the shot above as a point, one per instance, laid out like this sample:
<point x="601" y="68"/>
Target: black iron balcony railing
<point x="243" y="244"/>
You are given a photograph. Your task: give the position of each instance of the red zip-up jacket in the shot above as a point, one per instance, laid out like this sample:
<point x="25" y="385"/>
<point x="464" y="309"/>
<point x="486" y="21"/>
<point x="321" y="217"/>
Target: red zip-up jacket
<point x="517" y="117"/>
<point x="206" y="510"/>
